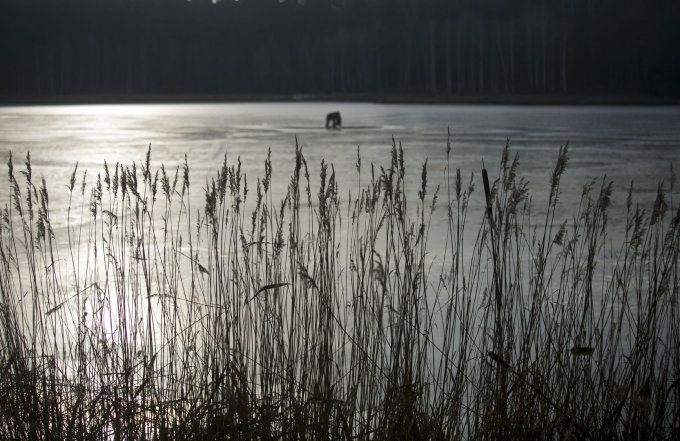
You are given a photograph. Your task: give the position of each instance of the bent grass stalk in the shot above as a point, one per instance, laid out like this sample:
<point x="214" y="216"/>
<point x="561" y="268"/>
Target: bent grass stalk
<point x="314" y="317"/>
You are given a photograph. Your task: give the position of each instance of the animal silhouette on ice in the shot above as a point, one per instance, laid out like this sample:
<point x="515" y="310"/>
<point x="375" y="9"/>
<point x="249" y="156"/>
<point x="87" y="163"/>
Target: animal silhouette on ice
<point x="333" y="120"/>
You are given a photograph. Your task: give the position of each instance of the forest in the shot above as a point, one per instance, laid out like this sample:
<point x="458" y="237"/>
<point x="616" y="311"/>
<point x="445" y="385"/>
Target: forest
<point x="382" y="47"/>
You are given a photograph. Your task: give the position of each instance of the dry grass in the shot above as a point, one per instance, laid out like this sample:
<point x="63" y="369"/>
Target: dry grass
<point x="251" y="318"/>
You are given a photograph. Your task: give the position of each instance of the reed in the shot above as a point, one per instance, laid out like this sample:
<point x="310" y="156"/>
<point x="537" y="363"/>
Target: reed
<point x="321" y="317"/>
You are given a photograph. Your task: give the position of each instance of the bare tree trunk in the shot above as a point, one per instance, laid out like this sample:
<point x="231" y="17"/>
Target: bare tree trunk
<point x="460" y="71"/>
<point x="529" y="61"/>
<point x="563" y="64"/>
<point x="342" y="60"/>
<point x="447" y="48"/>
<point x="481" y="56"/>
<point x="406" y="77"/>
<point x="543" y="58"/>
<point x="433" y="57"/>
<point x="378" y="73"/>
<point x="511" y="35"/>
<point x="501" y="57"/>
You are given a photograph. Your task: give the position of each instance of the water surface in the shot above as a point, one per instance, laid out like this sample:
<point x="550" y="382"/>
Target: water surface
<point x="623" y="143"/>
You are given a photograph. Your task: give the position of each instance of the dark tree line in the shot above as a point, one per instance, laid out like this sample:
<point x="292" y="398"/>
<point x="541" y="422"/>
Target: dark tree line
<point x="69" y="47"/>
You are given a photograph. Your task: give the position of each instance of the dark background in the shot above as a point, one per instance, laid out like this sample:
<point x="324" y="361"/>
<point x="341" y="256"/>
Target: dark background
<point x="382" y="47"/>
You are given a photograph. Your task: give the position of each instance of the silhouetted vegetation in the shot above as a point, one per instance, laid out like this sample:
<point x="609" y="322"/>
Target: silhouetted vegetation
<point x="320" y="318"/>
<point x="454" y="47"/>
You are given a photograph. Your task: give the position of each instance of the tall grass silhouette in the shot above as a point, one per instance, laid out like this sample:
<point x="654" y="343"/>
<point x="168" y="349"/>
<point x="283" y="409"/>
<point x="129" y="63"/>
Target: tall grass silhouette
<point x="316" y="317"/>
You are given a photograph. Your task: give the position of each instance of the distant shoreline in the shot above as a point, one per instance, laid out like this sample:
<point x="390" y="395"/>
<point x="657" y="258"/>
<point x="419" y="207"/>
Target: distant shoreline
<point x="595" y="100"/>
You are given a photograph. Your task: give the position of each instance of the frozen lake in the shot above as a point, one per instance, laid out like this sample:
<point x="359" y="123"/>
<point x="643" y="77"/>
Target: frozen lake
<point x="623" y="143"/>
